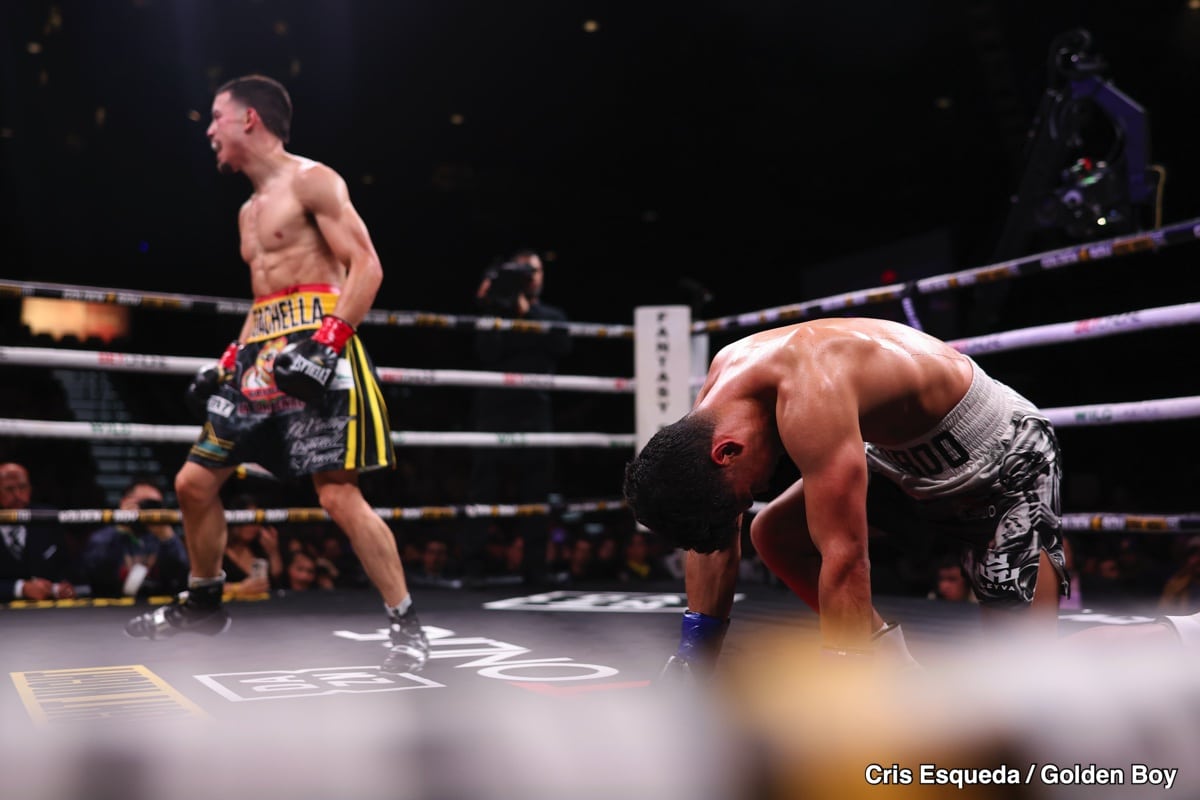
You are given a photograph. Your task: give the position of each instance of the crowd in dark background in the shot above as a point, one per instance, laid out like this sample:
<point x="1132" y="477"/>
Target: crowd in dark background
<point x="1113" y="571"/>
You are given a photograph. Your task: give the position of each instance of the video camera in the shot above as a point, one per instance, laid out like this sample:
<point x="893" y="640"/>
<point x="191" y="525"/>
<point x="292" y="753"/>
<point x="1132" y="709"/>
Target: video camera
<point x="146" y="504"/>
<point x="1088" y="171"/>
<point x="507" y="282"/>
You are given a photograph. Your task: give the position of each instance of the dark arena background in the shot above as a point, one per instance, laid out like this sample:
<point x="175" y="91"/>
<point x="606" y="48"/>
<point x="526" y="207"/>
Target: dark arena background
<point x="972" y="168"/>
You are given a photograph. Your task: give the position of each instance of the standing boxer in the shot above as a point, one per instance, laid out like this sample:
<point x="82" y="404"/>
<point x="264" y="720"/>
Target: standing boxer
<point x="296" y="390"/>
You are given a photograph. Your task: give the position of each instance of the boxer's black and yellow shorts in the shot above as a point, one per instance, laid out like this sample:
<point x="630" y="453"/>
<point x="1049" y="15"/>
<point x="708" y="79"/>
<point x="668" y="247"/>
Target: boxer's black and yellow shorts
<point x="251" y="420"/>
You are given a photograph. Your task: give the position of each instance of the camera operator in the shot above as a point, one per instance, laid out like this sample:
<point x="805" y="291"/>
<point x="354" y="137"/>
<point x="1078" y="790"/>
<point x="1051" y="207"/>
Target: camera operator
<point x="516" y="475"/>
<point x="136" y="559"/>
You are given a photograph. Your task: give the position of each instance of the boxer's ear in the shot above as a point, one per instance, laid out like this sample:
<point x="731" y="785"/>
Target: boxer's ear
<point x="725" y="449"/>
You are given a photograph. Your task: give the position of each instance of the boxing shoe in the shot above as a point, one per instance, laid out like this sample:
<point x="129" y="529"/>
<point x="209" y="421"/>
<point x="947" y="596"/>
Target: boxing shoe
<point x="410" y="647"/>
<point x="180" y="616"/>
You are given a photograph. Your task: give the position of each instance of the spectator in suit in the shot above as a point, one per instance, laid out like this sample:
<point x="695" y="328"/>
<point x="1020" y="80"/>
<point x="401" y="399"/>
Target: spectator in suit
<point x="33" y="557"/>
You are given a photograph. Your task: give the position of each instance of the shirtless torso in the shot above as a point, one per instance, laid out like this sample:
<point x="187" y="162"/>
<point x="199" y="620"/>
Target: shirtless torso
<point x="299" y="228"/>
<point x="888" y="382"/>
<point x="280" y="240"/>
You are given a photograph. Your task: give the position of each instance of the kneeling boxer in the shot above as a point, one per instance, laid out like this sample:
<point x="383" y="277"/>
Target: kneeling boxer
<point x="887" y="426"/>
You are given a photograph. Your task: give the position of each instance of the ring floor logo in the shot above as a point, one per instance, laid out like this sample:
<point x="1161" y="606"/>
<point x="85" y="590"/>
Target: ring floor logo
<point x="621" y="602"/>
<point x="486" y="657"/>
<point x="57" y="696"/>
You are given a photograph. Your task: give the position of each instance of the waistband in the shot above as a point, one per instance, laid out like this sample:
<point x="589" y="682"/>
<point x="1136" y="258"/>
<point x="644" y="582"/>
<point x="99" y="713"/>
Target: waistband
<point x="296" y="308"/>
<point x="982" y="413"/>
<point x="960" y="454"/>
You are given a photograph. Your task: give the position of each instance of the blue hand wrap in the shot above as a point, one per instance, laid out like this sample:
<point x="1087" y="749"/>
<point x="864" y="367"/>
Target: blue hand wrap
<point x="701" y="637"/>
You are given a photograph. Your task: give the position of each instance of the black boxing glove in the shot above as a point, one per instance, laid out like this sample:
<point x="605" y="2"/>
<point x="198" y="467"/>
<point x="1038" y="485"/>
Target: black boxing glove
<point x="304" y="369"/>
<point x="209" y="380"/>
<point x="700" y="642"/>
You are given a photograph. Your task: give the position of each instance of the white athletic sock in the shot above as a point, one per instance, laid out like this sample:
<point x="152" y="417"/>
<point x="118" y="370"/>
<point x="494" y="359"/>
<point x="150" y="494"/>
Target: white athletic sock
<point x="1187" y="628"/>
<point x="401" y="607"/>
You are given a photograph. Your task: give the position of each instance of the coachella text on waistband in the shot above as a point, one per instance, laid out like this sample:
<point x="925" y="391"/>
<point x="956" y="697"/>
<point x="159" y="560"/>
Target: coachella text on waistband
<point x="287" y="314"/>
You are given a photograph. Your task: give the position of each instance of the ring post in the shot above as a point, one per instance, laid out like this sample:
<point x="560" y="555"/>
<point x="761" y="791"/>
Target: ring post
<point x="699" y="370"/>
<point x="662" y="367"/>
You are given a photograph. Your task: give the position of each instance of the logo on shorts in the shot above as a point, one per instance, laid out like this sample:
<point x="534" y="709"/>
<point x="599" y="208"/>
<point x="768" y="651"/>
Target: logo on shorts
<point x="995" y="572"/>
<point x="220" y="406"/>
<point x="930" y="458"/>
<point x="258" y="382"/>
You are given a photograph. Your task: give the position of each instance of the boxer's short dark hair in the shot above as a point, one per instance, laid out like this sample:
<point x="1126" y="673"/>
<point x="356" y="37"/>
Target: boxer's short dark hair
<point x="267" y="97"/>
<point x="676" y="490"/>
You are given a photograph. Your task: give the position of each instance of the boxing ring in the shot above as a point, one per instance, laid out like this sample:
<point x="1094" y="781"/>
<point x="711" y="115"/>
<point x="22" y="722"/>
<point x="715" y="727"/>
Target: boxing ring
<point x="1102" y="414"/>
<point x="550" y="693"/>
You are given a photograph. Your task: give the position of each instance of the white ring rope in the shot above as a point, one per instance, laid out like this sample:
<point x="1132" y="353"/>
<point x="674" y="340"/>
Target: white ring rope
<point x="506" y="380"/>
<point x="187" y="365"/>
<point x="479" y="439"/>
<point x="226" y="305"/>
<point x="1128" y="322"/>
<point x="1066" y="417"/>
<point x="1179" y="233"/>
<point x="1121" y="413"/>
<point x="797" y="311"/>
<point x="136" y="431"/>
<point x="168" y="516"/>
